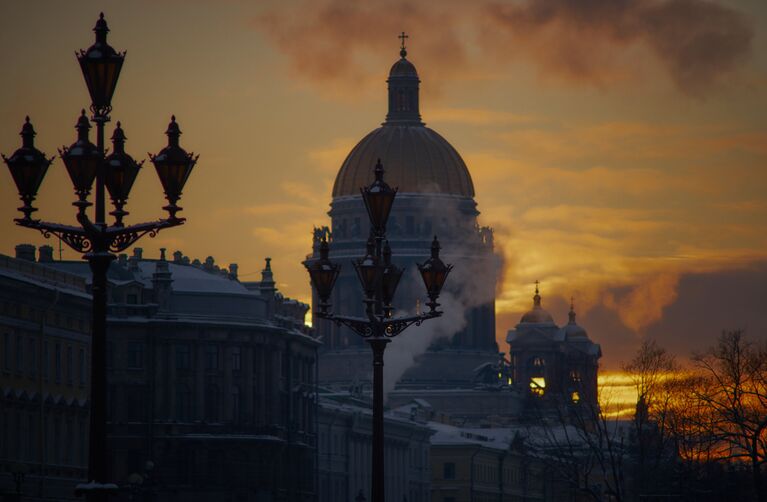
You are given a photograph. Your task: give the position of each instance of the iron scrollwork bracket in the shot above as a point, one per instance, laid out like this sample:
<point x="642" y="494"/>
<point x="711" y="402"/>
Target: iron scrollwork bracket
<point x="95" y="238"/>
<point x="394" y="326"/>
<point x="121" y="238"/>
<point x="75" y="237"/>
<point x="389" y="327"/>
<point x="362" y="327"/>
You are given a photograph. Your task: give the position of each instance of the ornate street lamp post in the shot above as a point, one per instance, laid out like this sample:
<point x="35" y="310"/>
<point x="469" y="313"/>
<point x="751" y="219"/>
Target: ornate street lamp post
<point x="379" y="278"/>
<point x="97" y="239"/>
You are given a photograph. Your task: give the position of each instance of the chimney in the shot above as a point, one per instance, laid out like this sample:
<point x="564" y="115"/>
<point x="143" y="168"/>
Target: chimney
<point x="25" y="252"/>
<point x="45" y="254"/>
<point x="209" y="263"/>
<point x="267" y="287"/>
<point x="138" y="253"/>
<point x="178" y="257"/>
<point x="122" y="259"/>
<point x="233" y="271"/>
<point x="162" y="282"/>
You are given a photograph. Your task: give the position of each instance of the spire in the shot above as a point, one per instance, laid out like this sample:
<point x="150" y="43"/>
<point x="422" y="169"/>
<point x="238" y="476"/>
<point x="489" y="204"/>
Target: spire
<point x="537" y="297"/>
<point x="403" y="90"/>
<point x="572" y="311"/>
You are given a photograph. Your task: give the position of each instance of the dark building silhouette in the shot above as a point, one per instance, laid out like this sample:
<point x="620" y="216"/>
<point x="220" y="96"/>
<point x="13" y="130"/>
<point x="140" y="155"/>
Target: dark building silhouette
<point x="211" y="383"/>
<point x="553" y="363"/>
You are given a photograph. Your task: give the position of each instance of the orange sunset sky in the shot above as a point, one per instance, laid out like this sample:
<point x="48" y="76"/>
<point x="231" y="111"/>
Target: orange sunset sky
<point x="618" y="149"/>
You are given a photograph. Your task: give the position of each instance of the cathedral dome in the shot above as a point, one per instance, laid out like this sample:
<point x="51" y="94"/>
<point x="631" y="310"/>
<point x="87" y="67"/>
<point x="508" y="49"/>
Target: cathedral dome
<point x="572" y="331"/>
<point x="403" y="68"/>
<point x="537" y="315"/>
<point x="417" y="159"/>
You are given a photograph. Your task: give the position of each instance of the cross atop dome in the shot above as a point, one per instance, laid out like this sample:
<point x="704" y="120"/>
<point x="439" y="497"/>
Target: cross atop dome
<point x="403" y="49"/>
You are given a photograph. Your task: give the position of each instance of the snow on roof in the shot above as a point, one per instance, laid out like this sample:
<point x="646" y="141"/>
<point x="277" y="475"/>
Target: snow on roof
<point x="188" y="278"/>
<point x="495" y="438"/>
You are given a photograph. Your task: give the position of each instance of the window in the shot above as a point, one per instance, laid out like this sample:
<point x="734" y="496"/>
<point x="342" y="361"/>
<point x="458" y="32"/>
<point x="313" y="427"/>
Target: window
<point x="81" y="367"/>
<point x="211" y="403"/>
<point x="6" y="352"/>
<point x="236" y="359"/>
<point x="132" y="299"/>
<point x="19" y="354"/>
<point x="538" y="385"/>
<point x="235" y="404"/>
<point x="70" y="365"/>
<point x="57" y="363"/>
<point x="45" y="363"/>
<point x="575" y="397"/>
<point x="32" y="357"/>
<point x="135" y="355"/>
<point x="211" y="357"/>
<point x="183" y="357"/>
<point x="134" y="403"/>
<point x="183" y="403"/>
<point x="448" y="470"/>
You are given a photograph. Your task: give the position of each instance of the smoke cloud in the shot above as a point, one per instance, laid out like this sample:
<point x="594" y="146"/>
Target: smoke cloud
<point x="470" y="284"/>
<point x="643" y="305"/>
<point x="342" y="45"/>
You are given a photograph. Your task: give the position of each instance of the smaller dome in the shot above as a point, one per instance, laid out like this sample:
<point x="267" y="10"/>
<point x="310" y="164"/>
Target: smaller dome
<point x="403" y="68"/>
<point x="538" y="315"/>
<point x="572" y="331"/>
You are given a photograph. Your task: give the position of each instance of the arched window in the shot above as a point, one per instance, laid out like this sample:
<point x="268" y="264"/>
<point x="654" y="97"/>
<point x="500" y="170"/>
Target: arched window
<point x="575" y="376"/>
<point x="538" y="376"/>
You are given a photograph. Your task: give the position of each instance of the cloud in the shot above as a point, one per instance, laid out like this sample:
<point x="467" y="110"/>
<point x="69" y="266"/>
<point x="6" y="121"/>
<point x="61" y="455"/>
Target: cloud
<point x="342" y="45"/>
<point x="696" y="41"/>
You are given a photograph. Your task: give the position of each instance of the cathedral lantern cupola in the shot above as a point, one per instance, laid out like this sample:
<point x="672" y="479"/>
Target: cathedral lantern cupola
<point x="572" y="331"/>
<point x="403" y="91"/>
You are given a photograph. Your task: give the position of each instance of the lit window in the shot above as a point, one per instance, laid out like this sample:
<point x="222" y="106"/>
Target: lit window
<point x="576" y="397"/>
<point x="575" y="376"/>
<point x="538" y="385"/>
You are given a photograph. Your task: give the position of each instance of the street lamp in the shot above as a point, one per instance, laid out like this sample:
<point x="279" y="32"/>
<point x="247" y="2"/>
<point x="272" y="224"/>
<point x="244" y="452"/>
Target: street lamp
<point x="96" y="239"/>
<point x="379" y="278"/>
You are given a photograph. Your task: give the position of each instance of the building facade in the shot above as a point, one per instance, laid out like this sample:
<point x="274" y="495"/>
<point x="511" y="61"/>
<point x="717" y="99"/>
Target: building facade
<point x="345" y="449"/>
<point x="211" y="381"/>
<point x="44" y="371"/>
<point x="488" y="465"/>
